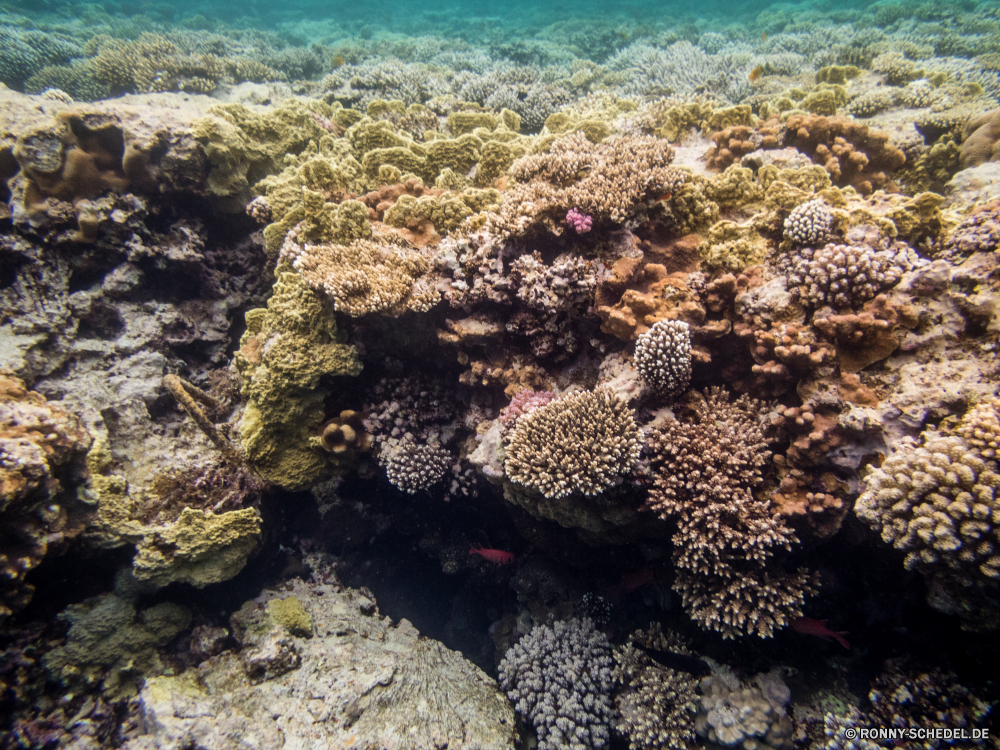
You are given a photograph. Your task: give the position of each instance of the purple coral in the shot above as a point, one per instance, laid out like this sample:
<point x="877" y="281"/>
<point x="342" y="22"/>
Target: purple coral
<point x="524" y="402"/>
<point x="580" y="222"/>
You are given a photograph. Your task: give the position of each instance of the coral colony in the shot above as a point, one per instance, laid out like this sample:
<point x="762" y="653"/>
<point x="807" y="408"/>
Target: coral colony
<point x="432" y="382"/>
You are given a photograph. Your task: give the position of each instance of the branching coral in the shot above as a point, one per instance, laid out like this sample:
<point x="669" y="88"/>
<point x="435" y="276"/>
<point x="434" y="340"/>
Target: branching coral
<point x="559" y="679"/>
<point x="809" y="224"/>
<point x="663" y="357"/>
<point x="705" y="473"/>
<point x="578" y="444"/>
<point x="842" y="276"/>
<point x="937" y="502"/>
<point x="365" y="276"/>
<point x="607" y="181"/>
<point x="413" y="467"/>
<point x="656" y="704"/>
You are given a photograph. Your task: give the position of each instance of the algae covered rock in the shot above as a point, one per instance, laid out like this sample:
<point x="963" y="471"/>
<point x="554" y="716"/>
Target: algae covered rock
<point x="361" y="681"/>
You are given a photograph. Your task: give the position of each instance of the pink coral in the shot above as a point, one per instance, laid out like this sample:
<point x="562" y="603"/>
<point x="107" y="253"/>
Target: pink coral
<point x="580" y="222"/>
<point x="523" y="403"/>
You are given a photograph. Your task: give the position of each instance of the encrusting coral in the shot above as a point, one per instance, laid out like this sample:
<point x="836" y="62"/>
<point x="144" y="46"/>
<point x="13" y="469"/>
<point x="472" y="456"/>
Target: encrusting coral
<point x="577" y="444"/>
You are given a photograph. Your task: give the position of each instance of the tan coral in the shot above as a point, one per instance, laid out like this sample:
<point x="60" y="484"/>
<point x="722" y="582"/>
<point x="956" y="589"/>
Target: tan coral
<point x="365" y="276"/>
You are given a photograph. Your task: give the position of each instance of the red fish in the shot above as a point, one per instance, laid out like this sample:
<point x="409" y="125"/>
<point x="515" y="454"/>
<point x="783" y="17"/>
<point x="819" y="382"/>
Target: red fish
<point x="818" y="628"/>
<point x="497" y="556"/>
<point x="632" y="581"/>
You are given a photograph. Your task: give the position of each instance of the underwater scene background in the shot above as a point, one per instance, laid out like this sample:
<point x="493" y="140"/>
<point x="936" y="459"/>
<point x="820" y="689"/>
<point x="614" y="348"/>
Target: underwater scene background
<point x="499" y="375"/>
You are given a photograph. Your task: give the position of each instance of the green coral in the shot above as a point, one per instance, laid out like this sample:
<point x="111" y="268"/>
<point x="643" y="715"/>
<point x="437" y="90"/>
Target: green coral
<point x="734" y="187"/>
<point x="732" y="246"/>
<point x="919" y="221"/>
<point x="787" y="188"/>
<point x="112" y="643"/>
<point x="243" y="146"/>
<point x="460" y="123"/>
<point x="824" y="99"/>
<point x="291" y="615"/>
<point x="200" y="548"/>
<point x="400" y="157"/>
<point x="837" y="74"/>
<point x="446" y="212"/>
<point x="458" y="154"/>
<point x="721" y="119"/>
<point x="287" y="348"/>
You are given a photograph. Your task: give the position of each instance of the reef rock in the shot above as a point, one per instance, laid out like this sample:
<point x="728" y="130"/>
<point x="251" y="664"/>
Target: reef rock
<point x="337" y="674"/>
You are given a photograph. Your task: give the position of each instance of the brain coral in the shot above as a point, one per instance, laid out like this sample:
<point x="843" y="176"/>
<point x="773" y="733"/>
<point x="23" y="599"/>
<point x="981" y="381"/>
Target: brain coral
<point x="559" y="679"/>
<point x="577" y="444"/>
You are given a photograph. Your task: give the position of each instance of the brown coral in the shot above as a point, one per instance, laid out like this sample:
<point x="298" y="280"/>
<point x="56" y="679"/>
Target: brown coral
<point x="39" y="444"/>
<point x="852" y="153"/>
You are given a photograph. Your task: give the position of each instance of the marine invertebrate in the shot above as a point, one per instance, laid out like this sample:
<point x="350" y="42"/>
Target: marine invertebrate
<point x="663" y="357"/>
<point x="981" y="139"/>
<point x="852" y="153"/>
<point x="734" y="714"/>
<point x="364" y="276"/>
<point x="704" y="475"/>
<point x="287" y="348"/>
<point x="656" y="704"/>
<point x="413" y="467"/>
<point x="581" y="223"/>
<point x="809" y="224"/>
<point x="580" y="443"/>
<point x="559" y="679"/>
<point x="979" y="232"/>
<point x="936" y="501"/>
<point x="607" y="180"/>
<point x="189" y="396"/>
<point x="41" y="445"/>
<point x="842" y="276"/>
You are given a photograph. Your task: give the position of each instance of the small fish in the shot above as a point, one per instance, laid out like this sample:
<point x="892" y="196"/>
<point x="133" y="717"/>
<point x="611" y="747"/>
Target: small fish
<point x="679" y="662"/>
<point x="809" y="626"/>
<point x="763" y="36"/>
<point x="497" y="556"/>
<point x="631" y="581"/>
<point x="664" y="197"/>
<point x="756" y="73"/>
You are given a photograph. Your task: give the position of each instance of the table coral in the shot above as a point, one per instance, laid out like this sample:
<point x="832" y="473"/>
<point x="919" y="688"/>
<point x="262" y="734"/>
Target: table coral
<point x="580" y="443"/>
<point x="607" y="181"/>
<point x="364" y="276"/>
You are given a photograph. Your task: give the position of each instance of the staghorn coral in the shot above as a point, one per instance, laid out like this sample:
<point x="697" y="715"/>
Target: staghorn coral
<point x="413" y="467"/>
<point x="704" y="474"/>
<point x="559" y="679"/>
<point x="809" y="224"/>
<point x="364" y="276"/>
<point x="608" y="181"/>
<point x="579" y="443"/>
<point x="656" y="705"/>
<point x="663" y="357"/>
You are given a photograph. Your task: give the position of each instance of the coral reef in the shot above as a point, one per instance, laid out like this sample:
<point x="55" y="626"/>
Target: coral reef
<point x="559" y="679"/>
<point x="705" y="473"/>
<point x="578" y="444"/>
<point x="663" y="357"/>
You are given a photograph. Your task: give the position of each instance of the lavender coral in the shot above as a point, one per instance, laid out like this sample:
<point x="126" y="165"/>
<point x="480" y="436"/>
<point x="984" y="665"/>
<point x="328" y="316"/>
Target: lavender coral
<point x="809" y="224"/>
<point x="559" y="679"/>
<point x="842" y="276"/>
<point x="578" y="444"/>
